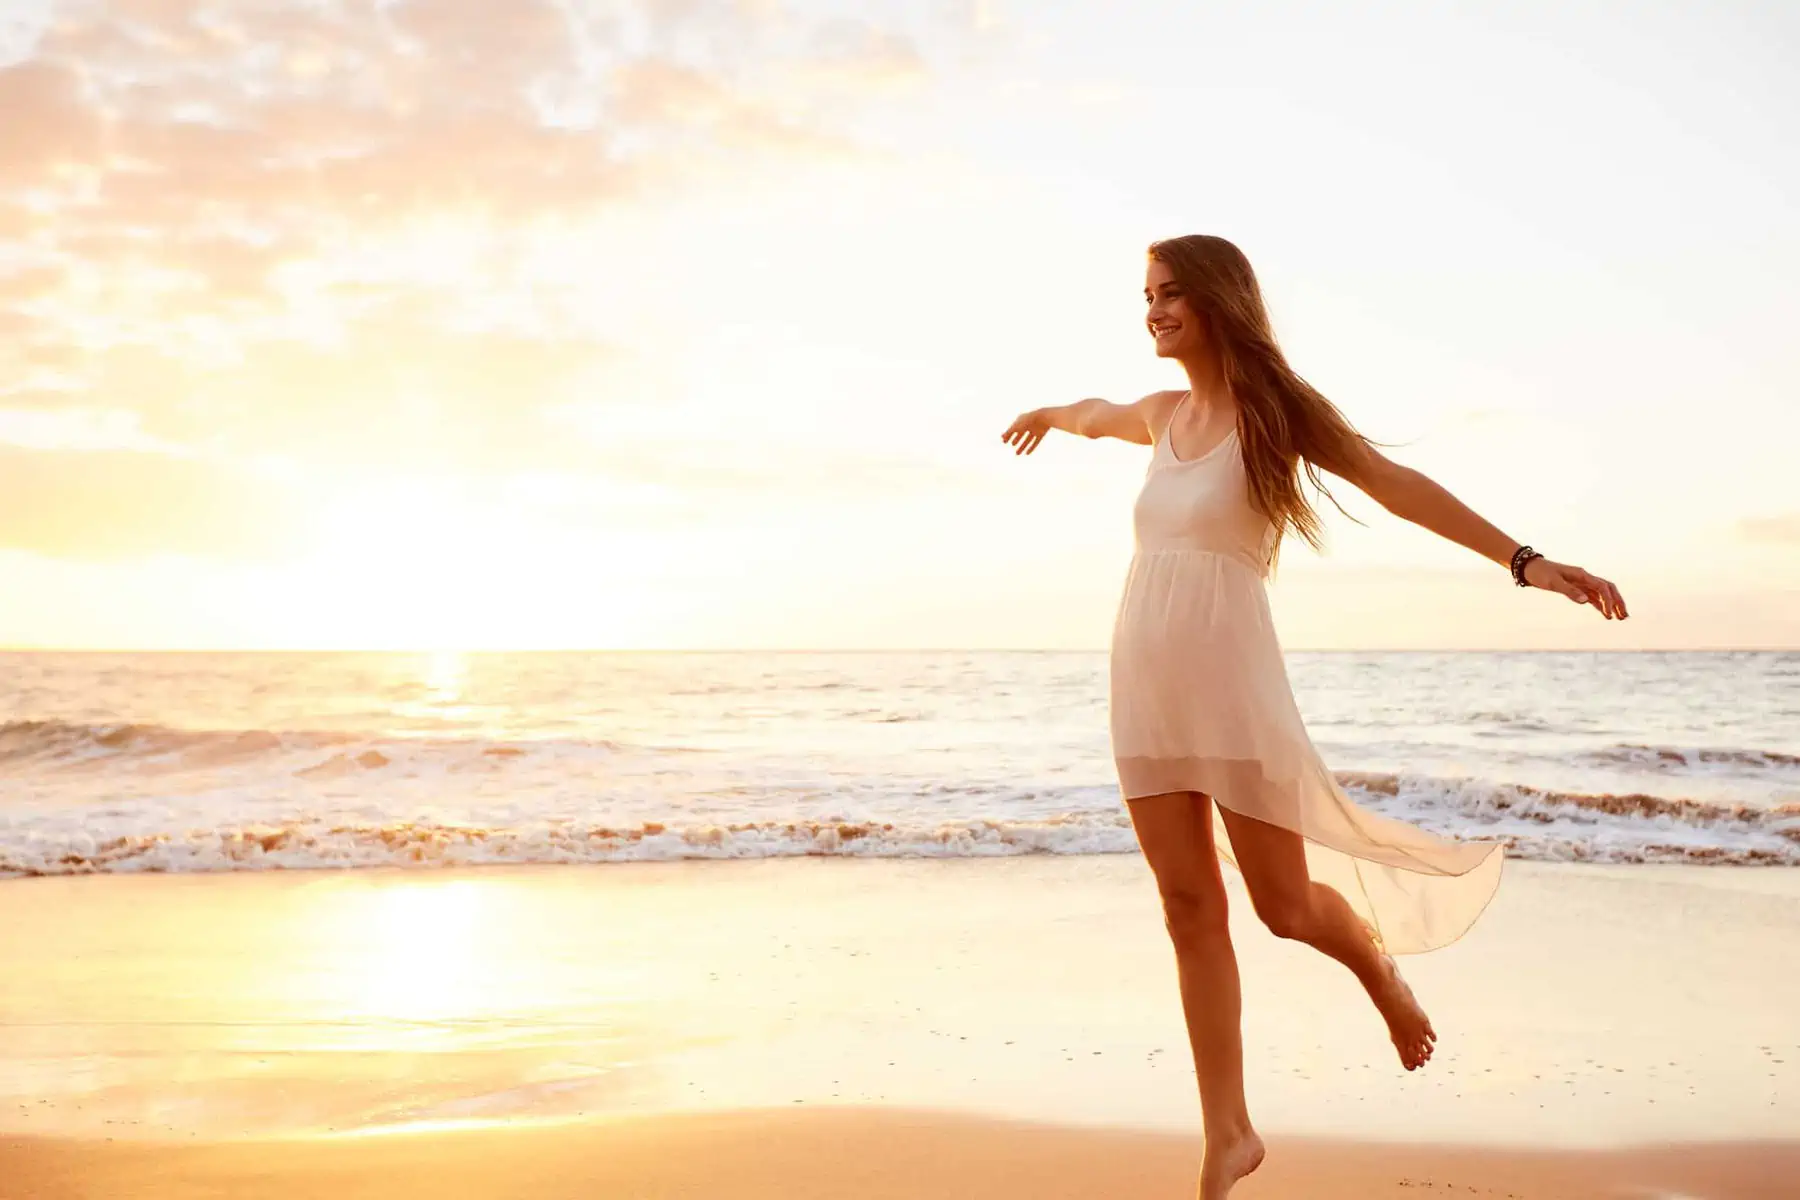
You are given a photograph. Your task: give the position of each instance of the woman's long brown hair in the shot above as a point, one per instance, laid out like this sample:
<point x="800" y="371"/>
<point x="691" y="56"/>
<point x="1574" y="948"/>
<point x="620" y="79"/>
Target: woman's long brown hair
<point x="1284" y="423"/>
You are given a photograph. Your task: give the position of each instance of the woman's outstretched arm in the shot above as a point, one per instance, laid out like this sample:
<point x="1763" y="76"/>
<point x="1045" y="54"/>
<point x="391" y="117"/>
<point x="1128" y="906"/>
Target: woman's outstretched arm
<point x="1088" y="418"/>
<point x="1416" y="497"/>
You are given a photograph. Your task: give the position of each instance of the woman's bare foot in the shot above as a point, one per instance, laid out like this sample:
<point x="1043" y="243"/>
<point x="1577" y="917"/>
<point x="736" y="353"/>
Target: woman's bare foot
<point x="1407" y="1023"/>
<point x="1228" y="1161"/>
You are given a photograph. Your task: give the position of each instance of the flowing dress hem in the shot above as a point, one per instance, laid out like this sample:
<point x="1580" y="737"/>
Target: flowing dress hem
<point x="1415" y="890"/>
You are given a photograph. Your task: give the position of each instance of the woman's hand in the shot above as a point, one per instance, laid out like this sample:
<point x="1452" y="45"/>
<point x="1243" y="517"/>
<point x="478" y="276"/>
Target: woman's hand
<point x="1577" y="585"/>
<point x="1091" y="418"/>
<point x="1024" y="434"/>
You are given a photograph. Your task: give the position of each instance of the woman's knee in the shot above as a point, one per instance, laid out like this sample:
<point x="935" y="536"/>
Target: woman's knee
<point x="1195" y="912"/>
<point x="1286" y="915"/>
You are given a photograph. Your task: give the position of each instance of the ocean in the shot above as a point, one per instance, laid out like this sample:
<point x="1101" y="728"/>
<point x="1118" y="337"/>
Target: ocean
<point x="185" y="762"/>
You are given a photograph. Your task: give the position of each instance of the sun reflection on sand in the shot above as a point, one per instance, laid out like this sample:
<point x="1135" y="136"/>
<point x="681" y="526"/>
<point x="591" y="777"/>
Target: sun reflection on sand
<point x="452" y="1125"/>
<point x="415" y="956"/>
<point x="324" y="1004"/>
<point x="422" y="963"/>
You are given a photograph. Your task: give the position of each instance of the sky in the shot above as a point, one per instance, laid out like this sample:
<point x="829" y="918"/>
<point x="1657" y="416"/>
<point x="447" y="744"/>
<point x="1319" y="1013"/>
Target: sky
<point x="695" y="323"/>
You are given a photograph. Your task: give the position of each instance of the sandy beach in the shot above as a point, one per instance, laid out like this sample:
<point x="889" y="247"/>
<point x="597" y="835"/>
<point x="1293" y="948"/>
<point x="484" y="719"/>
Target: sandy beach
<point x="880" y="1154"/>
<point x="876" y="1028"/>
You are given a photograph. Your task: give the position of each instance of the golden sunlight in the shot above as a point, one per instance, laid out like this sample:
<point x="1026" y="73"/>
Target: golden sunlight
<point x="417" y="564"/>
<point x="426" y="958"/>
<point x="413" y="963"/>
<point x="446" y="674"/>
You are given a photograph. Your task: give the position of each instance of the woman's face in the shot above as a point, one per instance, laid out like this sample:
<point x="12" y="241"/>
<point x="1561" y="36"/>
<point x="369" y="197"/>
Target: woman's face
<point x="1178" y="330"/>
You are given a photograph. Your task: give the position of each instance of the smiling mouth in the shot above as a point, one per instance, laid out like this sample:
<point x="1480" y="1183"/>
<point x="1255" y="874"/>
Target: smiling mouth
<point x="1160" y="330"/>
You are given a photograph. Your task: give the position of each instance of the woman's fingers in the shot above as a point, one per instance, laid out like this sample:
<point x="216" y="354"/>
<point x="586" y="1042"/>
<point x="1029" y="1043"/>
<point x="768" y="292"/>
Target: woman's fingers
<point x="1614" y="600"/>
<point x="1601" y="594"/>
<point x="1023" y="434"/>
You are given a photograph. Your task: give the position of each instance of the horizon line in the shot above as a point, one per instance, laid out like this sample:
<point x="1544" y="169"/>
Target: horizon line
<point x="4" y="649"/>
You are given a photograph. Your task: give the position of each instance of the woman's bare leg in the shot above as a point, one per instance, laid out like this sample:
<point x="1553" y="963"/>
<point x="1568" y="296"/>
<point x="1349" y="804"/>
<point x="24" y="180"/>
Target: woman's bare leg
<point x="1273" y="862"/>
<point x="1176" y="834"/>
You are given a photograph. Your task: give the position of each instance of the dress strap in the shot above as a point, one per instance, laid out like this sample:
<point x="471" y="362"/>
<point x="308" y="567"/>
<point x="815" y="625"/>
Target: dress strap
<point x="1167" y="437"/>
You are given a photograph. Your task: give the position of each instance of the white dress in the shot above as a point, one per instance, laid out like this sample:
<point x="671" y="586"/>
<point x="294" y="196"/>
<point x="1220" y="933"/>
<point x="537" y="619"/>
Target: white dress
<point x="1201" y="703"/>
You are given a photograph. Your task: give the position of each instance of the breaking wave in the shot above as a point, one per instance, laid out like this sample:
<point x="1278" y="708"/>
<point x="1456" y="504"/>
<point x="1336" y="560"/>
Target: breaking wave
<point x="50" y="741"/>
<point x="27" y="745"/>
<point x="1561" y="826"/>
<point x="1535" y="823"/>
<point x="1676" y="758"/>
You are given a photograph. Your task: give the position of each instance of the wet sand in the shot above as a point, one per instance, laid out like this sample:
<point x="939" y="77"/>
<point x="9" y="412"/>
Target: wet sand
<point x="929" y="1028"/>
<point x="871" y="1153"/>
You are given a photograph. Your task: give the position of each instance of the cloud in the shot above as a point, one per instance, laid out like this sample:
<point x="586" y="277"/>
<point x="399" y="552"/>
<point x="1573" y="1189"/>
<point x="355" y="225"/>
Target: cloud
<point x="298" y="226"/>
<point x="419" y="105"/>
<point x="27" y="283"/>
<point x="72" y="427"/>
<point x="1781" y="530"/>
<point x="117" y="504"/>
<point x="982" y="16"/>
<point x="48" y="122"/>
<point x="853" y="49"/>
<point x="397" y="389"/>
<point x="22" y="24"/>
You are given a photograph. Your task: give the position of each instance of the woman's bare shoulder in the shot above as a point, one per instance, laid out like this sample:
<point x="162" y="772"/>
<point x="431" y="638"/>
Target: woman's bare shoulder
<point x="1157" y="408"/>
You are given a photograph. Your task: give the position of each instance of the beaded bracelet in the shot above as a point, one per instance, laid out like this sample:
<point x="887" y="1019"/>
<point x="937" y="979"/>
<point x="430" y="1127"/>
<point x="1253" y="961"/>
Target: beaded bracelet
<point x="1522" y="556"/>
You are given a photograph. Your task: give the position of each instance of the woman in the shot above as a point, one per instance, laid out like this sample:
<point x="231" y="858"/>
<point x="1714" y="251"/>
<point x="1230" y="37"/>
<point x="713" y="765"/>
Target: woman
<point x="1203" y="720"/>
